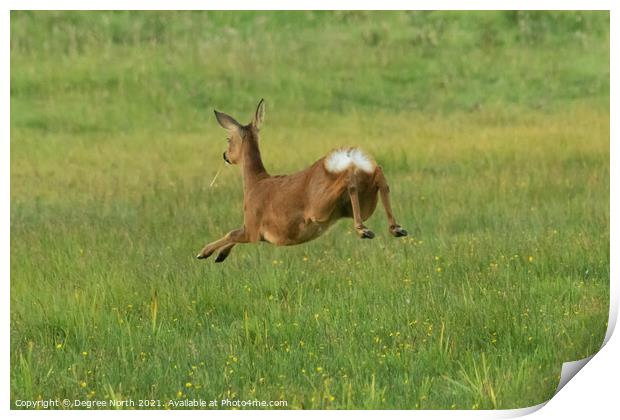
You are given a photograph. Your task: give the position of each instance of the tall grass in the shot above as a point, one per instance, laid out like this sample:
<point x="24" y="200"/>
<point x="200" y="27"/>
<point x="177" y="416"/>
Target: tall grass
<point x="493" y="131"/>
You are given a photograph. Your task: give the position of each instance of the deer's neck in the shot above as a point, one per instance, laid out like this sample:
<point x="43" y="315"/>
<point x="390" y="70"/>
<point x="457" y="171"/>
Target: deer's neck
<point x="253" y="168"/>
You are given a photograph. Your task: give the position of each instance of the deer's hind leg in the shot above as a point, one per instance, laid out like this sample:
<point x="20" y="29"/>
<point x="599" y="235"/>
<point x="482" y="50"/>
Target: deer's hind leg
<point x="353" y="189"/>
<point x="384" y="191"/>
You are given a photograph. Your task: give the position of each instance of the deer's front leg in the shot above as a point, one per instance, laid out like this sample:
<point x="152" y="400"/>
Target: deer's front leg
<point x="225" y="243"/>
<point x="223" y="252"/>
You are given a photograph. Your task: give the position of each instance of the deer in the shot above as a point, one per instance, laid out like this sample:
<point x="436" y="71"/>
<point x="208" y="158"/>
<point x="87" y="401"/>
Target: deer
<point x="297" y="208"/>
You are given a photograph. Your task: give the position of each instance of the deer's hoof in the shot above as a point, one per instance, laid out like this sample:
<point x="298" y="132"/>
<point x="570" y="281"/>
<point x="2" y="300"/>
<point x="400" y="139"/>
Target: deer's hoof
<point x="204" y="255"/>
<point x="221" y="257"/>
<point x="398" y="231"/>
<point x="366" y="234"/>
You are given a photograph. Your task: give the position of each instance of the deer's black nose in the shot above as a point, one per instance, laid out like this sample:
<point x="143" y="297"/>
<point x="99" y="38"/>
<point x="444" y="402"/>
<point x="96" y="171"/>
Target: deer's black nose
<point x="225" y="158"/>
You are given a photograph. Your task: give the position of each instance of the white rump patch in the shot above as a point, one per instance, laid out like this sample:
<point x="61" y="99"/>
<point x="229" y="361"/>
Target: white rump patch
<point x="341" y="159"/>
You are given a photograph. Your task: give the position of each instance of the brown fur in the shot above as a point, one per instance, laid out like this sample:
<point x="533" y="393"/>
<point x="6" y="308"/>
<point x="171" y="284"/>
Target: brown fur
<point x="297" y="208"/>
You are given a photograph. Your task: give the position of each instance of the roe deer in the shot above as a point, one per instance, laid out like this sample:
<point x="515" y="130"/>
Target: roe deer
<point x="293" y="209"/>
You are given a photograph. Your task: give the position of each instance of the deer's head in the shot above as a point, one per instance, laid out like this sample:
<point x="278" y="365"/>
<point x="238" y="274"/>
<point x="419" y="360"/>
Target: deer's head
<point x="240" y="135"/>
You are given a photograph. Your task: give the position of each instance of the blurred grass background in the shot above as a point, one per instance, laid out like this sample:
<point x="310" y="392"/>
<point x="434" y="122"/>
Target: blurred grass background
<point x="492" y="128"/>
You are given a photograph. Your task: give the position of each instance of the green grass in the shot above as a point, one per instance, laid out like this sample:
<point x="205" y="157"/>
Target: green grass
<point x="492" y="129"/>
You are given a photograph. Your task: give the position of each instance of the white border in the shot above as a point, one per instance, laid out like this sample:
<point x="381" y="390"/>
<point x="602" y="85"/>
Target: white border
<point x="311" y="5"/>
<point x="593" y="392"/>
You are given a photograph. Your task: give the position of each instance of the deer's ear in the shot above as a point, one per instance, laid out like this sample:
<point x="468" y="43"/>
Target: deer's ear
<point x="259" y="117"/>
<point x="226" y="121"/>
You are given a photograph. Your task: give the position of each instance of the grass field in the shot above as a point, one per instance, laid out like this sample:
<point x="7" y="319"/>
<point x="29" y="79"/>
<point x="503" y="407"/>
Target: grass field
<point x="492" y="129"/>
